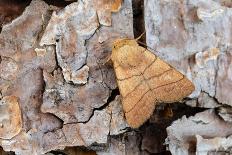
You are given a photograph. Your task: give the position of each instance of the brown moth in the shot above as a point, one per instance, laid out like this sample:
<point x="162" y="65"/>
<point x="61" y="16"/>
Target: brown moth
<point x="145" y="80"/>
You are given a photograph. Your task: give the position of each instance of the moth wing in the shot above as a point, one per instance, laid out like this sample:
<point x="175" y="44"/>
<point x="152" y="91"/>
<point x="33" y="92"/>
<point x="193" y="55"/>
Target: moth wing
<point x="148" y="83"/>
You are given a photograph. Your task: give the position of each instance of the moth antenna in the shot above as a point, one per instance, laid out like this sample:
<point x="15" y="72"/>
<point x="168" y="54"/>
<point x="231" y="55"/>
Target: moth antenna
<point x="147" y="46"/>
<point x="139" y="37"/>
<point x="140" y="42"/>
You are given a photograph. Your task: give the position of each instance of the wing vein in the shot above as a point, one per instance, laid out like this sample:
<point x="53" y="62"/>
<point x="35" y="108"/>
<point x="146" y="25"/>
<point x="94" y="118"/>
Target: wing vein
<point x="152" y="90"/>
<point x="141" y="73"/>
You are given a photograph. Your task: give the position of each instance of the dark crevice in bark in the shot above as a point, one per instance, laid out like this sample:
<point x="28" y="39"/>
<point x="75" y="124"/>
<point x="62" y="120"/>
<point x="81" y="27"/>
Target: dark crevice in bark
<point x="182" y="109"/>
<point x="213" y="97"/>
<point x="59" y="3"/>
<point x="57" y="153"/>
<point x="56" y="60"/>
<point x="11" y="9"/>
<point x="112" y="97"/>
<point x="159" y="121"/>
<point x="57" y="128"/>
<point x="140" y="137"/>
<point x="178" y="109"/>
<point x="138" y="19"/>
<point x="2" y="152"/>
<point x="70" y="150"/>
<point x="161" y="153"/>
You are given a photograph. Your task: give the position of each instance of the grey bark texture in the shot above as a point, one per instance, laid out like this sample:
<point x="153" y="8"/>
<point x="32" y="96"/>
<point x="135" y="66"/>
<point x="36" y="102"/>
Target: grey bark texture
<point x="54" y="60"/>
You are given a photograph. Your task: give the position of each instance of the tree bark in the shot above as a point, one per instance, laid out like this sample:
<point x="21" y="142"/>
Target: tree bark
<point x="54" y="61"/>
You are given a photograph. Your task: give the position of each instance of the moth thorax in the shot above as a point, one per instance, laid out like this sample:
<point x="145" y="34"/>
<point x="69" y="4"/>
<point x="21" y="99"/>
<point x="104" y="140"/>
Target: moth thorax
<point x="129" y="59"/>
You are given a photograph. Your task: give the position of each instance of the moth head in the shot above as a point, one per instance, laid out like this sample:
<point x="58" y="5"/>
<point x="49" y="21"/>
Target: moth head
<point x="124" y="54"/>
<point x="118" y="43"/>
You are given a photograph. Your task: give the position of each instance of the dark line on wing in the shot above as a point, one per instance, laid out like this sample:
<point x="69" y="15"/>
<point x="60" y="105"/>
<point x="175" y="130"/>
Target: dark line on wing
<point x="152" y="90"/>
<point x="146" y="82"/>
<point x="159" y="74"/>
<point x="133" y="89"/>
<point x="150" y="64"/>
<point x="141" y="72"/>
<point x="130" y="77"/>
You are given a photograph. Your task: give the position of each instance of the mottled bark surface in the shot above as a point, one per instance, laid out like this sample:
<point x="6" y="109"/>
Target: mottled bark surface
<point x="53" y="65"/>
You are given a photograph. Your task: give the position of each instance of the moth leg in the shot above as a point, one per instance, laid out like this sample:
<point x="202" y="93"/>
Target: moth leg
<point x="108" y="59"/>
<point x="168" y="113"/>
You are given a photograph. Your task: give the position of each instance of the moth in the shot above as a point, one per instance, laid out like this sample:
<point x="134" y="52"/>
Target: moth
<point x="144" y="80"/>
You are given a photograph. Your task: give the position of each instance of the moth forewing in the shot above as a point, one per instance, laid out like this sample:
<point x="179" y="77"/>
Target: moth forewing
<point x="145" y="80"/>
